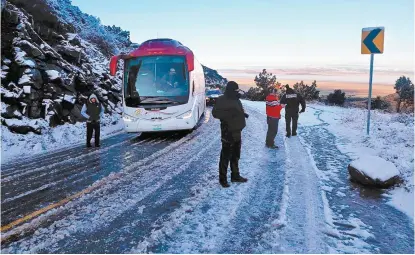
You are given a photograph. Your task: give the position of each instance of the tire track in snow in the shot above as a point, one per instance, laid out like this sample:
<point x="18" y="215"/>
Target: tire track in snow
<point x="63" y="183"/>
<point x="350" y="227"/>
<point x="220" y="215"/>
<point x="302" y="232"/>
<point x="31" y="163"/>
<point x="112" y="198"/>
<point x="133" y="225"/>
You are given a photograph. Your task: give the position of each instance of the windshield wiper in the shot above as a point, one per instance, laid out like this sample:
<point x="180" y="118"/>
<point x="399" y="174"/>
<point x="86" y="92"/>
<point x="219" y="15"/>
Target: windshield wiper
<point x="157" y="100"/>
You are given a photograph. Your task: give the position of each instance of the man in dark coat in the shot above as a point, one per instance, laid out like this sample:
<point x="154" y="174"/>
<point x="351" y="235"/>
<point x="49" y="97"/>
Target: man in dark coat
<point x="292" y="101"/>
<point x="92" y="110"/>
<point x="228" y="109"/>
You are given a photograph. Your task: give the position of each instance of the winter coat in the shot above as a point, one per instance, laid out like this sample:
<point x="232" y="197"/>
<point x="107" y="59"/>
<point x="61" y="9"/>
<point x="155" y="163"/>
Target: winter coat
<point x="228" y="109"/>
<point x="292" y="101"/>
<point x="92" y="111"/>
<point x="273" y="106"/>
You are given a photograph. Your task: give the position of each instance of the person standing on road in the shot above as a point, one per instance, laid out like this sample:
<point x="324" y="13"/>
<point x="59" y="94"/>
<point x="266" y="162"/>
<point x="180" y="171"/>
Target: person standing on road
<point x="273" y="109"/>
<point x="292" y="101"/>
<point x="92" y="110"/>
<point x="228" y="109"/>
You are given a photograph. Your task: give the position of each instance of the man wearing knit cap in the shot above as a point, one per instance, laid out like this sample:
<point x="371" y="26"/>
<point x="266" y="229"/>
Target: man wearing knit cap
<point x="228" y="109"/>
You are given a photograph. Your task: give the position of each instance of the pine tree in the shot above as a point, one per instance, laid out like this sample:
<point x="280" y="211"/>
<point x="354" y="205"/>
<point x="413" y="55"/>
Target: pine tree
<point x="308" y="92"/>
<point x="337" y="98"/>
<point x="405" y="89"/>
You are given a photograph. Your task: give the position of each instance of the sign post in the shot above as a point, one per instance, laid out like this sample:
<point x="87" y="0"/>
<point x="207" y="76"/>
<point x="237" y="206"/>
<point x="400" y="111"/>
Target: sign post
<point x="372" y="43"/>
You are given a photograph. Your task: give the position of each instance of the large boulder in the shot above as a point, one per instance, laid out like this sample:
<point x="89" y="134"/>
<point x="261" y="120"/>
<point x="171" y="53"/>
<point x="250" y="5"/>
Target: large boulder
<point x="11" y="97"/>
<point x="31" y="77"/>
<point x="21" y="127"/>
<point x="68" y="103"/>
<point x="37" y="78"/>
<point x="11" y="112"/>
<point x="35" y="110"/>
<point x="114" y="97"/>
<point x="31" y="49"/>
<point x="374" y="171"/>
<point x="11" y="16"/>
<point x="21" y="58"/>
<point x="72" y="54"/>
<point x="24" y="130"/>
<point x="74" y="39"/>
<point x="76" y="113"/>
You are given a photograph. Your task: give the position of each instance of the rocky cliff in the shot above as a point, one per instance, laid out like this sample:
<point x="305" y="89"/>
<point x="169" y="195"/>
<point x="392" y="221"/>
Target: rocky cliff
<point x="53" y="57"/>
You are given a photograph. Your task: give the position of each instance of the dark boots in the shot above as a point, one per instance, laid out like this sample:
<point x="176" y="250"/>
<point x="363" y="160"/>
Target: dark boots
<point x="224" y="184"/>
<point x="230" y="153"/>
<point x="273" y="146"/>
<point x="238" y="179"/>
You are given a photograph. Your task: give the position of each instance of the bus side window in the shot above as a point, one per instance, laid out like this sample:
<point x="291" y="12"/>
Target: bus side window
<point x="184" y="71"/>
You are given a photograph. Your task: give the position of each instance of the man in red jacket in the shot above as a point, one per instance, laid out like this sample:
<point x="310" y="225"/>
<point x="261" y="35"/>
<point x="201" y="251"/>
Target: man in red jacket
<point x="273" y="116"/>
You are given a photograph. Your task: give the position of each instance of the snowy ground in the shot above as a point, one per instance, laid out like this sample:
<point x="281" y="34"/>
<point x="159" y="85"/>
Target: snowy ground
<point x="161" y="195"/>
<point x="15" y="146"/>
<point x="391" y="138"/>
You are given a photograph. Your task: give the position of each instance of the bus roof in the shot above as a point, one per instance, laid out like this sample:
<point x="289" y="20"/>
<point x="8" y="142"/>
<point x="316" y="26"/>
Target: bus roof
<point x="162" y="46"/>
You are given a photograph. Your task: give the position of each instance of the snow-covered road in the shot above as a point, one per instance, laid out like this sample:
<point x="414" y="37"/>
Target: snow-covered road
<point x="161" y="195"/>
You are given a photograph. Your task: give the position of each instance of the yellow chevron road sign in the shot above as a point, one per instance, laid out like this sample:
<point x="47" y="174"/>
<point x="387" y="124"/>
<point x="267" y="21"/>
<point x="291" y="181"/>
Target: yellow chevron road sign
<point x="373" y="40"/>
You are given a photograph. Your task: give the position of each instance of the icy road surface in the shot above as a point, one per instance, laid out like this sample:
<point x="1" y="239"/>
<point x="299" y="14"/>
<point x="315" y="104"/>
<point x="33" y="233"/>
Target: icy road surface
<point x="160" y="194"/>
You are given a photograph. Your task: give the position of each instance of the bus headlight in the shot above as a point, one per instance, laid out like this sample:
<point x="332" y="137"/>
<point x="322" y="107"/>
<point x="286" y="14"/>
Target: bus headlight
<point x="185" y="115"/>
<point x="128" y="118"/>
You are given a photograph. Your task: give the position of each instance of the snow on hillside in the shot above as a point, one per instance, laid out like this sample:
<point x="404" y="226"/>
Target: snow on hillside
<point x="212" y="77"/>
<point x="391" y="138"/>
<point x="53" y="57"/>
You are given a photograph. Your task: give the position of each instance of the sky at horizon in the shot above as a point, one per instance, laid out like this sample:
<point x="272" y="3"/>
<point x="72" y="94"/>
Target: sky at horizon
<point x="256" y="34"/>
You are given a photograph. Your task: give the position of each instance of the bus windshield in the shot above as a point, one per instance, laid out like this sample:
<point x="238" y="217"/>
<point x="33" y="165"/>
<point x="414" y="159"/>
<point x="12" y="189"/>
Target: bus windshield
<point x="156" y="80"/>
<point x="213" y="92"/>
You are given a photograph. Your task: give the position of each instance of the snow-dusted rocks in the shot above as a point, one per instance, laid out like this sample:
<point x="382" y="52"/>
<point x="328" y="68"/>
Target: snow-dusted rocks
<point x="30" y="48"/>
<point x="374" y="171"/>
<point x="26" y="89"/>
<point x="49" y="69"/>
<point x="22" y="60"/>
<point x="22" y="126"/>
<point x="70" y="53"/>
<point x="74" y="39"/>
<point x="53" y="75"/>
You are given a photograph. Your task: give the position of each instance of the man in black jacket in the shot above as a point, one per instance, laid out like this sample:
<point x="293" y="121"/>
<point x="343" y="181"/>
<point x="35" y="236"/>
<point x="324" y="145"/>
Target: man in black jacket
<point x="292" y="101"/>
<point x="229" y="110"/>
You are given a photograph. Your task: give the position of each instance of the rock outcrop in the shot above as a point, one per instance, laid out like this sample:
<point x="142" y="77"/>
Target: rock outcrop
<point x="374" y="171"/>
<point x="53" y="57"/>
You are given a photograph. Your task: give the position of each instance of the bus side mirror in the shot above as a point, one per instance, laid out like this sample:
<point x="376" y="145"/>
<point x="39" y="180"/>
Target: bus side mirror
<point x="113" y="65"/>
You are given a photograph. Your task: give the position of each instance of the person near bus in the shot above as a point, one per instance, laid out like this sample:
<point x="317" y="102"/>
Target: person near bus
<point x="292" y="101"/>
<point x="228" y="109"/>
<point x="92" y="110"/>
<point x="273" y="110"/>
<point x="170" y="80"/>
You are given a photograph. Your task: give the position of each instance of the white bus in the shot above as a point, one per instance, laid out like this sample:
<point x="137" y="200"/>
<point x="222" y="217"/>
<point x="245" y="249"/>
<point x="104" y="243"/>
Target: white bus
<point x="164" y="87"/>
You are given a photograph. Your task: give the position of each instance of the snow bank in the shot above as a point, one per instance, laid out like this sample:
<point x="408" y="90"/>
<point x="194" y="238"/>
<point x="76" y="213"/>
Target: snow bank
<point x="401" y="199"/>
<point x="17" y="145"/>
<point x="376" y="168"/>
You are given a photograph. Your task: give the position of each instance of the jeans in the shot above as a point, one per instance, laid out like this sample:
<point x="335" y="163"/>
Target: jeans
<point x="272" y="130"/>
<point x="90" y="128"/>
<point x="288" y="118"/>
